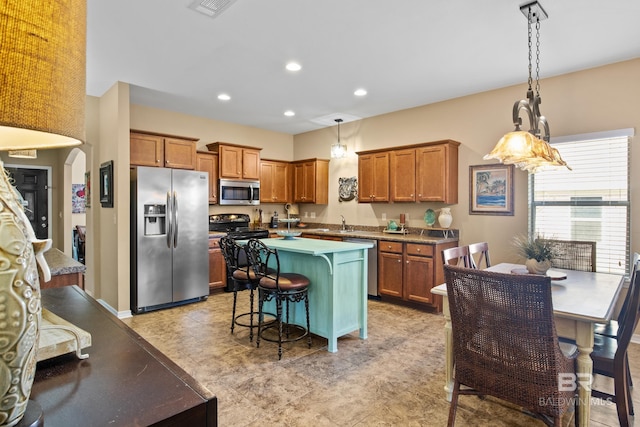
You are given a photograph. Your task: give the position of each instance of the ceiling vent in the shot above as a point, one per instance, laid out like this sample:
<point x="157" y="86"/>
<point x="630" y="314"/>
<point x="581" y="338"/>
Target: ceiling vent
<point x="211" y="8"/>
<point x="330" y="120"/>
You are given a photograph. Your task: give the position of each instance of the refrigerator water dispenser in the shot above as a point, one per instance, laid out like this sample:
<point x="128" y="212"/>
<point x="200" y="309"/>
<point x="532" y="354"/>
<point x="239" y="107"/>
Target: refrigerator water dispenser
<point x="154" y="220"/>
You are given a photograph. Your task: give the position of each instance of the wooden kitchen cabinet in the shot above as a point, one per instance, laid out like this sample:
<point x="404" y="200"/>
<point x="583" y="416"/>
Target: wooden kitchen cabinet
<point x="426" y="172"/>
<point x="402" y="175"/>
<point x="373" y="177"/>
<point x="217" y="266"/>
<point x="237" y="161"/>
<point x="208" y="162"/>
<point x="408" y="271"/>
<point x="274" y="181"/>
<point x="311" y="181"/>
<point x="437" y="172"/>
<point x="158" y="150"/>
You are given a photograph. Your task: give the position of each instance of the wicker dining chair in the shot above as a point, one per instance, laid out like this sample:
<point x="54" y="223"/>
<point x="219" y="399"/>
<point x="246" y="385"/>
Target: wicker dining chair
<point x="574" y="255"/>
<point x="479" y="255"/>
<point x="610" y="356"/>
<point x="458" y="255"/>
<point x="505" y="343"/>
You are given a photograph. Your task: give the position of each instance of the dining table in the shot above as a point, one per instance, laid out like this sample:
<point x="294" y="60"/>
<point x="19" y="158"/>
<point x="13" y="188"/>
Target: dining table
<point x="580" y="300"/>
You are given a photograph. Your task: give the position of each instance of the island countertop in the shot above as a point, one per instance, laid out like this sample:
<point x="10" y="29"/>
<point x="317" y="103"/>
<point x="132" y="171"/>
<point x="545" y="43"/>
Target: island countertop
<point x="426" y="236"/>
<point x="313" y="247"/>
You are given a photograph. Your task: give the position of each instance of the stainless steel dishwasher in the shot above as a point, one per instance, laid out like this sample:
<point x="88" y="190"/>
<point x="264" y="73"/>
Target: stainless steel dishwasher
<point x="372" y="264"/>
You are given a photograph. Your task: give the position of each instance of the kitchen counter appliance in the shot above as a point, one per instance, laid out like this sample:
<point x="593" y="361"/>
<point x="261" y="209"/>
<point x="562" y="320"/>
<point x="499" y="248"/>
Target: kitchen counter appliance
<point x="169" y="239"/>
<point x="237" y="227"/>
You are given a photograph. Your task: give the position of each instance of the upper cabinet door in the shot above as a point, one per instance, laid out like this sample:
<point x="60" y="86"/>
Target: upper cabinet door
<point x="437" y="178"/>
<point x="146" y="150"/>
<point x="373" y="177"/>
<point x="179" y="154"/>
<point x="208" y="162"/>
<point x="403" y="175"/>
<point x="250" y="164"/>
<point x="230" y="162"/>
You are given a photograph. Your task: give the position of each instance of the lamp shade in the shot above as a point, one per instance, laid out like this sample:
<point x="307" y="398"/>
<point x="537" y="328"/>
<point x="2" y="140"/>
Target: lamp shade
<point x="43" y="88"/>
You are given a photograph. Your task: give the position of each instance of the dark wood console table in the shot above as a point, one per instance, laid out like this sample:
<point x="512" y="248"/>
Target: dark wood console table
<point x="124" y="382"/>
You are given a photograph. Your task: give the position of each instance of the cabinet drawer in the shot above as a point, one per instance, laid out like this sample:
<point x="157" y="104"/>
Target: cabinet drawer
<point x="418" y="249"/>
<point x="386" y="246"/>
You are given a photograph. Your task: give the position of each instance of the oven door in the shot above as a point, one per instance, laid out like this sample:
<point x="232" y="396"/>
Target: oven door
<point x="233" y="192"/>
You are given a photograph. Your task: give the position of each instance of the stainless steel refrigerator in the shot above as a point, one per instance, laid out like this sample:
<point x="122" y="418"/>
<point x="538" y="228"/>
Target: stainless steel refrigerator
<point x="169" y="237"/>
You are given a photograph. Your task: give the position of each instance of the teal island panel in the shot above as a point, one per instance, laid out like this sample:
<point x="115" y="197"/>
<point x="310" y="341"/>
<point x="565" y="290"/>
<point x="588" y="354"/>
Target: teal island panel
<point x="338" y="290"/>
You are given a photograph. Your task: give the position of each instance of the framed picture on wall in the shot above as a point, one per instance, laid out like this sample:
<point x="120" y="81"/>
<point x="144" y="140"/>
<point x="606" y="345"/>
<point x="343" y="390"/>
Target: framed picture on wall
<point x="87" y="189"/>
<point x="491" y="189"/>
<point x="106" y="184"/>
<point x="78" y="197"/>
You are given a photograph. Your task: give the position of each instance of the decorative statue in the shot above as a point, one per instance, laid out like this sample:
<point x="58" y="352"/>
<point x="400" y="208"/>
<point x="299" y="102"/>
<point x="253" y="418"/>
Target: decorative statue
<point x="20" y="310"/>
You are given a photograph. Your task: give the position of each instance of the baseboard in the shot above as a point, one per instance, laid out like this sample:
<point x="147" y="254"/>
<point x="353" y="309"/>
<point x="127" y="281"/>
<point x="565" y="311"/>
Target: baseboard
<point x="635" y="339"/>
<point x="119" y="314"/>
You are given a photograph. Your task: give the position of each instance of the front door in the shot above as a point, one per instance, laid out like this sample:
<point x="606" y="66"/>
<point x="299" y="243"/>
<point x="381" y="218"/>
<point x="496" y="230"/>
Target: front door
<point x="32" y="185"/>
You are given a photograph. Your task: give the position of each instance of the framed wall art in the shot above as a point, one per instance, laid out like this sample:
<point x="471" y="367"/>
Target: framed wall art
<point x="78" y="197"/>
<point x="491" y="189"/>
<point x="106" y="184"/>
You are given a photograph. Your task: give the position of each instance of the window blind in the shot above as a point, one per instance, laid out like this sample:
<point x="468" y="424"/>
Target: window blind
<point x="590" y="202"/>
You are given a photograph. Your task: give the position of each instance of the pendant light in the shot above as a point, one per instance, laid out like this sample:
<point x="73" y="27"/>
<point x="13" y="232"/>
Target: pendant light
<point x="529" y="150"/>
<point x="338" y="150"/>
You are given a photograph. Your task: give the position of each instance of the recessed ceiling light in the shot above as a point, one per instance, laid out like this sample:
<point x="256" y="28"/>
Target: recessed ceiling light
<point x="293" y="66"/>
<point x="289" y="113"/>
<point x="360" y="92"/>
<point x="224" y="97"/>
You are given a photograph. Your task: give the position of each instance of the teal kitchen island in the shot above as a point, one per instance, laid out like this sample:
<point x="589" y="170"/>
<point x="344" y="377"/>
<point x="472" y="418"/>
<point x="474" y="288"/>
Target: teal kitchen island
<point x="338" y="290"/>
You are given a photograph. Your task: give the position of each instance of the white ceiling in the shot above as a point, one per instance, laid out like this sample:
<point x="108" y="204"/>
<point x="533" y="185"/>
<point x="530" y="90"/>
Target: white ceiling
<point x="405" y="53"/>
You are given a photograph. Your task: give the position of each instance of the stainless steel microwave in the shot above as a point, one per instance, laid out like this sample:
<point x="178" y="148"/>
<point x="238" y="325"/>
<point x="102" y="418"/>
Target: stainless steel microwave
<point x="236" y="192"/>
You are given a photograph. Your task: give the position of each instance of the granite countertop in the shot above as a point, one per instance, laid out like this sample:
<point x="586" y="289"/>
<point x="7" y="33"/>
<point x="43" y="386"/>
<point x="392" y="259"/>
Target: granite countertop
<point x="430" y="236"/>
<point x="59" y="263"/>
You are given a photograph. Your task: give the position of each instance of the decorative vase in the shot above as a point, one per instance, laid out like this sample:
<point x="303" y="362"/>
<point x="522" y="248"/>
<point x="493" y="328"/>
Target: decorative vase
<point x="20" y="310"/>
<point x="537" y="267"/>
<point x="445" y="218"/>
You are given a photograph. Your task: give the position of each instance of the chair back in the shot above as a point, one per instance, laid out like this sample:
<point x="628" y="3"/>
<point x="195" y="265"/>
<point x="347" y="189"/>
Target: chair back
<point x="624" y="310"/>
<point x="628" y="320"/>
<point x="457" y="256"/>
<point x="481" y="248"/>
<point x="260" y="256"/>
<point x="230" y="251"/>
<point x="574" y="255"/>
<point x="504" y="338"/>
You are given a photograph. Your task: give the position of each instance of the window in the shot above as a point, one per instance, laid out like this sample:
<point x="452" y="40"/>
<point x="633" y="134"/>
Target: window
<point x="590" y="202"/>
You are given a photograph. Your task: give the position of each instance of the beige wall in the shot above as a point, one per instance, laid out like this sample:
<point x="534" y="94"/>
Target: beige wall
<point x="588" y="101"/>
<point x="599" y="99"/>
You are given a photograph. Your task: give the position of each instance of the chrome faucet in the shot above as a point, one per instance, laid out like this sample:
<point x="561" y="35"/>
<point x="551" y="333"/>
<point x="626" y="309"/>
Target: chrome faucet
<point x="344" y="223"/>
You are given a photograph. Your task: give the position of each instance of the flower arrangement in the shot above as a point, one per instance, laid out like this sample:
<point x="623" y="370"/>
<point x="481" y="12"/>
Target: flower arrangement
<point x="535" y="247"/>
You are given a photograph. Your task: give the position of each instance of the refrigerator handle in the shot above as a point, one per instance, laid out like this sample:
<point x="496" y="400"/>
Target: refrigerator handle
<point x="175" y="219"/>
<point x="169" y="225"/>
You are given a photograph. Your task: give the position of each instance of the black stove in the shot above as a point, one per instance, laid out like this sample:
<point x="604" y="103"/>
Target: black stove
<point x="236" y="226"/>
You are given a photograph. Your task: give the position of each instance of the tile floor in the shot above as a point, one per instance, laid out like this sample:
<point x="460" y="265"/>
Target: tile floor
<point x="394" y="378"/>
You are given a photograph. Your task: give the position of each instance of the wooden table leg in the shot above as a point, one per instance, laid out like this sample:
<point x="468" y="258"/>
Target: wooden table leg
<point x="584" y="341"/>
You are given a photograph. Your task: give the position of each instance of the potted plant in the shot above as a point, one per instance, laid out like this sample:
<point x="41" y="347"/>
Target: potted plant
<point x="537" y="251"/>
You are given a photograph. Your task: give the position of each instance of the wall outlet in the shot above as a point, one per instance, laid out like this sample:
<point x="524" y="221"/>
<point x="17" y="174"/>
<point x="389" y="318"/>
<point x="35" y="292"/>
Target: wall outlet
<point x="306" y="214"/>
<point x="313" y="214"/>
<point x="384" y="216"/>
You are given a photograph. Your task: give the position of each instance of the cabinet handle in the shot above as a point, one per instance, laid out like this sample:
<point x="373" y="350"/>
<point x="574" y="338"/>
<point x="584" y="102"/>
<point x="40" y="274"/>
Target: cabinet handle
<point x="399" y="261"/>
<point x="418" y="250"/>
<point x="407" y="261"/>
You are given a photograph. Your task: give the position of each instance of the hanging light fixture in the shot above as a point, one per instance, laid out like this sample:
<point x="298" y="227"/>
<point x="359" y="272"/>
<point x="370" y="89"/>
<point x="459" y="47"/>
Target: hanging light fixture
<point x="338" y="150"/>
<point x="529" y="150"/>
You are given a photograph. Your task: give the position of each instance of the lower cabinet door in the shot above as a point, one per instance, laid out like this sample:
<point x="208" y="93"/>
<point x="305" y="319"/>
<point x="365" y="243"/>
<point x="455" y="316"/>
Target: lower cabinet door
<point x="418" y="279"/>
<point x="390" y="274"/>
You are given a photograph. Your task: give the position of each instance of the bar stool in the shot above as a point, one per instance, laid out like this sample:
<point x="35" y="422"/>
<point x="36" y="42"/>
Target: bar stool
<point x="281" y="287"/>
<point x="243" y="278"/>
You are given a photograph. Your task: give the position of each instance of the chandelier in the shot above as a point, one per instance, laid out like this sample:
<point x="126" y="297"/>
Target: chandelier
<point x="338" y="150"/>
<point x="529" y="150"/>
